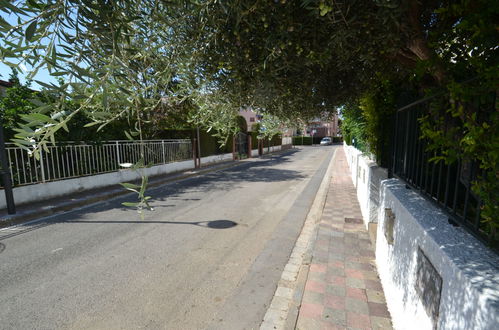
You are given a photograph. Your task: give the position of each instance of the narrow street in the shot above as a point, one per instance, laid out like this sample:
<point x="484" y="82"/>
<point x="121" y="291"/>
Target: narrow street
<point x="209" y="256"/>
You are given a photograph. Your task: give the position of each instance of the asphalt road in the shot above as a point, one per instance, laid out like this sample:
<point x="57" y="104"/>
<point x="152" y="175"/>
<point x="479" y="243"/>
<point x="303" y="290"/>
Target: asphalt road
<point x="209" y="256"/>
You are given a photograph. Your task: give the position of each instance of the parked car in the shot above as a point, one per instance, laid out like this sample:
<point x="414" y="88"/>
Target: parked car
<point x="326" y="141"/>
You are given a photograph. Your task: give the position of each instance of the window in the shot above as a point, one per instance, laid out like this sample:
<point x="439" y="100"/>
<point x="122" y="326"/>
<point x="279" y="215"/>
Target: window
<point x="252" y="119"/>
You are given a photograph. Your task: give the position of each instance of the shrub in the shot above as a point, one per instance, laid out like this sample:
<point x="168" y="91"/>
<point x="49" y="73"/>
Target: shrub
<point x="302" y="140"/>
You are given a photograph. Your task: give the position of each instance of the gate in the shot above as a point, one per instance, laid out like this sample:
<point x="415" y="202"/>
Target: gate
<point x="241" y="145"/>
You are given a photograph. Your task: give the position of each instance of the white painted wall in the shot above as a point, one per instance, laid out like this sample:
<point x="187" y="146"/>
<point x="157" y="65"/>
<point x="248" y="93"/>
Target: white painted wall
<point x="360" y="167"/>
<point x="470" y="289"/>
<point x="469" y="270"/>
<point x="41" y="191"/>
<point x="215" y="159"/>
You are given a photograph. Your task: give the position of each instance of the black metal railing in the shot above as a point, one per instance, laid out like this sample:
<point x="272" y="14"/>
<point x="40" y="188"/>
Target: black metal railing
<point x="448" y="185"/>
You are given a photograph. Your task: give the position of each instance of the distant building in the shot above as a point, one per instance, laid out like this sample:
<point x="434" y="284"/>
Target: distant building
<point x="251" y="117"/>
<point x="327" y="126"/>
<point x="323" y="127"/>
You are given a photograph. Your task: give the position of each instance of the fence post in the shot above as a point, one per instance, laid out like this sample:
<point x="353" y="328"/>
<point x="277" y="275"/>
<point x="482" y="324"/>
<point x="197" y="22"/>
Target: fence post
<point x="42" y="166"/>
<point x="118" y="154"/>
<point x="194" y="152"/>
<point x="5" y="174"/>
<point x="163" y="149"/>
<point x="250" y="147"/>
<point x="234" y="148"/>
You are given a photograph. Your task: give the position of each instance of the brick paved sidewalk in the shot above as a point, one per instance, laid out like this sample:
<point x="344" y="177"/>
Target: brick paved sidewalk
<point x="342" y="289"/>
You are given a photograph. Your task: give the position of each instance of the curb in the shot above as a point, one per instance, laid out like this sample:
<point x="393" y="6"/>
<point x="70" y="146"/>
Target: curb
<point x="284" y="307"/>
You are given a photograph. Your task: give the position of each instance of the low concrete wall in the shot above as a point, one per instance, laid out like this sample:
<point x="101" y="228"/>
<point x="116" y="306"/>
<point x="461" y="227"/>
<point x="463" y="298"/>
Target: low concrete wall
<point x="366" y="176"/>
<point x="435" y="276"/>
<point x="215" y="159"/>
<point x="41" y="191"/>
<point x="456" y="287"/>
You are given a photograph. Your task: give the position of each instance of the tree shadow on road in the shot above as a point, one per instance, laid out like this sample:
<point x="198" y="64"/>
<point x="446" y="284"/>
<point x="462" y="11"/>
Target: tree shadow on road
<point x="213" y="224"/>
<point x="258" y="170"/>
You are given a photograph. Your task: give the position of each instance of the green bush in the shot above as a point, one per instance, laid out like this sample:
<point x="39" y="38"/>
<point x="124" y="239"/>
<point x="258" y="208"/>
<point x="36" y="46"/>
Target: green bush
<point x="302" y="140"/>
<point x="210" y="145"/>
<point x="378" y="108"/>
<point x="254" y="140"/>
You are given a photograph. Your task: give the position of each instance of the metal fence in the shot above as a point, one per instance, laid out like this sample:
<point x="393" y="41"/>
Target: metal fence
<point x="447" y="185"/>
<point x="70" y="159"/>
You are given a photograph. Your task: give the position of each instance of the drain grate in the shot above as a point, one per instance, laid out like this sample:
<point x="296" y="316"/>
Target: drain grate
<point x="353" y="220"/>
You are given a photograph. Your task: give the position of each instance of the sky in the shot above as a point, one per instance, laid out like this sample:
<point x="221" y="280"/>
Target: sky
<point x="5" y="70"/>
<point x="42" y="75"/>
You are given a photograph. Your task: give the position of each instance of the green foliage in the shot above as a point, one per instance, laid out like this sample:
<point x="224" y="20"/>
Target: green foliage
<point x="270" y="126"/>
<point x="210" y="145"/>
<point x="145" y="62"/>
<point x="378" y="106"/>
<point x="254" y="138"/>
<point x="353" y="126"/>
<point x="140" y="190"/>
<point x="241" y="123"/>
<point x="17" y="101"/>
<point x="215" y="113"/>
<point x="299" y="58"/>
<point x="276" y="140"/>
<point x="464" y="123"/>
<point x="468" y="130"/>
<point x="302" y="140"/>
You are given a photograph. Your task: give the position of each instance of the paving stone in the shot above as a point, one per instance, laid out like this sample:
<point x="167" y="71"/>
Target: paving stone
<point x="307" y="323"/>
<point x="354" y="273"/>
<point x="358" y="321"/>
<point x="313" y="297"/>
<point x="334" y="317"/>
<point x="336" y="290"/>
<point x="315" y="276"/>
<point x="311" y="310"/>
<point x="356" y="293"/>
<point x="315" y="286"/>
<point x="373" y="285"/>
<point x="336" y="257"/>
<point x="357" y="306"/>
<point x="337" y="234"/>
<point x="343" y="288"/>
<point x="318" y="268"/>
<point x="336" y="264"/>
<point x="378" y="309"/>
<point x="381" y="323"/>
<point x="355" y="283"/>
<point x="334" y="302"/>
<point x="375" y="296"/>
<point x="370" y="275"/>
<point x="337" y="280"/>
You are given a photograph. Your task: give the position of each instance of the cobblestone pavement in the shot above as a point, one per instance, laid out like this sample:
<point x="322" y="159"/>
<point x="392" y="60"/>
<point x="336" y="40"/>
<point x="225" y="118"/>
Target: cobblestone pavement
<point x="343" y="290"/>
